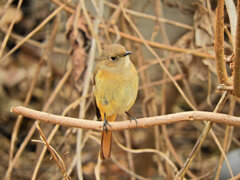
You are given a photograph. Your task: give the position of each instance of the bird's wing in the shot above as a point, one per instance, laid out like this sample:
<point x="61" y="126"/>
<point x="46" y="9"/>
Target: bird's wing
<point x="98" y="114"/>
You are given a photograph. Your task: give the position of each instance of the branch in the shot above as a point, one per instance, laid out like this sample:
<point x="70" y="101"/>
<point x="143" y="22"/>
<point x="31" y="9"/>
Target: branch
<point x="219" y="48"/>
<point x="236" y="70"/>
<point x="223" y="87"/>
<point x="123" y="125"/>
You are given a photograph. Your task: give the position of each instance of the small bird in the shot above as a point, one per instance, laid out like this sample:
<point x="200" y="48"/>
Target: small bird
<point x="115" y="89"/>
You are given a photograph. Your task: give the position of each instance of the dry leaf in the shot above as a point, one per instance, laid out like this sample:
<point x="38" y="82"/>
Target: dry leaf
<point x="186" y="42"/>
<point x="12" y="77"/>
<point x="79" y="38"/>
<point x="9" y="15"/>
<point x="203" y="27"/>
<point x="210" y="62"/>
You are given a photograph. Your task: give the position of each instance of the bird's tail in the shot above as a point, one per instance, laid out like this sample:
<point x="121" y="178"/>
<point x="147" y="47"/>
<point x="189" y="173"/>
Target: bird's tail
<point x="106" y="145"/>
<point x="106" y="140"/>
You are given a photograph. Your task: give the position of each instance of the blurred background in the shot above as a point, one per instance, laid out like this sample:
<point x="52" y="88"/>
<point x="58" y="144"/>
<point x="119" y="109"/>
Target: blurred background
<point x="47" y="56"/>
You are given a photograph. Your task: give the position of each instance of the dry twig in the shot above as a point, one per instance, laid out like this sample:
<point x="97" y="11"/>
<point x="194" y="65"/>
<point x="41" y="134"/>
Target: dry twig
<point x="236" y="68"/>
<point x="123" y="125"/>
<point x="219" y="40"/>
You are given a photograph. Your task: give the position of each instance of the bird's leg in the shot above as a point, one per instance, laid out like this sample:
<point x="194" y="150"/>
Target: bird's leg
<point x="131" y="118"/>
<point x="105" y="123"/>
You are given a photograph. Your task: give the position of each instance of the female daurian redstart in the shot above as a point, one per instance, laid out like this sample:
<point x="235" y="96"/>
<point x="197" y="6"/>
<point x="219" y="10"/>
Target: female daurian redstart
<point x="115" y="89"/>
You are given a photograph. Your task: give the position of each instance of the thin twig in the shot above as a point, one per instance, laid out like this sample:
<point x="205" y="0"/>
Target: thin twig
<point x="129" y="155"/>
<point x="229" y="36"/>
<point x="46" y="56"/>
<point x="201" y="138"/>
<point x="154" y="44"/>
<point x="54" y="154"/>
<point x="235" y="177"/>
<point x="97" y="168"/>
<point x="154" y="18"/>
<point x="137" y="151"/>
<point x="159" y="13"/>
<point x="50" y="137"/>
<point x="35" y="43"/>
<point x="29" y="95"/>
<point x="74" y="162"/>
<point x="5" y="40"/>
<point x="26" y="101"/>
<point x="40" y="26"/>
<point x="94" y="42"/>
<point x="71" y="10"/>
<point x="163" y="46"/>
<point x="126" y="169"/>
<point x="160" y="62"/>
<point x="120" y="165"/>
<point x="5" y="8"/>
<point x="227" y="137"/>
<point x="225" y="142"/>
<point x="33" y="128"/>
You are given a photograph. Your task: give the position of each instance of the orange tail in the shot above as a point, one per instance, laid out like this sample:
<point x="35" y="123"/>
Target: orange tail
<point x="105" y="151"/>
<point x="106" y="142"/>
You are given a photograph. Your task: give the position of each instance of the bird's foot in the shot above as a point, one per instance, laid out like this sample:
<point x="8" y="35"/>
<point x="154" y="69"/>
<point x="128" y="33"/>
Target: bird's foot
<point x="105" y="124"/>
<point x="132" y="118"/>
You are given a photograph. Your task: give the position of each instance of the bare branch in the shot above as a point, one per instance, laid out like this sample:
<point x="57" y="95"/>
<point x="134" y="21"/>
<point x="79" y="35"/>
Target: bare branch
<point x="219" y="40"/>
<point x="236" y="71"/>
<point x="123" y="125"/>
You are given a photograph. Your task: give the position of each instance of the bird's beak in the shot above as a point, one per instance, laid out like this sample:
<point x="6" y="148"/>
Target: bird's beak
<point x="127" y="53"/>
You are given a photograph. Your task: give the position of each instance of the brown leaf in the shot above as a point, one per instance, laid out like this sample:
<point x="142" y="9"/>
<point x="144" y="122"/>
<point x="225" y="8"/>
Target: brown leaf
<point x="7" y="18"/>
<point x="78" y="36"/>
<point x="81" y="25"/>
<point x="186" y="42"/>
<point x="79" y="57"/>
<point x="203" y="27"/>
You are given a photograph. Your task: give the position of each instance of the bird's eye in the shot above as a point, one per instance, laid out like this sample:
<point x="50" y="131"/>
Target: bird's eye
<point x="113" y="58"/>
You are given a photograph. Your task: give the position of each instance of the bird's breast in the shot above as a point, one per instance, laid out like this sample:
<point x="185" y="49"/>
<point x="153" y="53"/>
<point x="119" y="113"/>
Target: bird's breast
<point x="116" y="92"/>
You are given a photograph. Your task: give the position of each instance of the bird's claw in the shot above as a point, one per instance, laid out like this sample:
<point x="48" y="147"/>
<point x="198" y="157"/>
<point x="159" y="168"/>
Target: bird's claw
<point x="135" y="119"/>
<point x="132" y="118"/>
<point x="105" y="124"/>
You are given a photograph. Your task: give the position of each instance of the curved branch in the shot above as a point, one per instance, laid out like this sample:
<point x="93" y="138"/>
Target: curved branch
<point x="218" y="44"/>
<point x="123" y="125"/>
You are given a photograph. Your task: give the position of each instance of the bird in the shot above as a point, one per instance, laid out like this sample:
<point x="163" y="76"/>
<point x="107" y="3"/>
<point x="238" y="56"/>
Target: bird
<point x="115" y="88"/>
